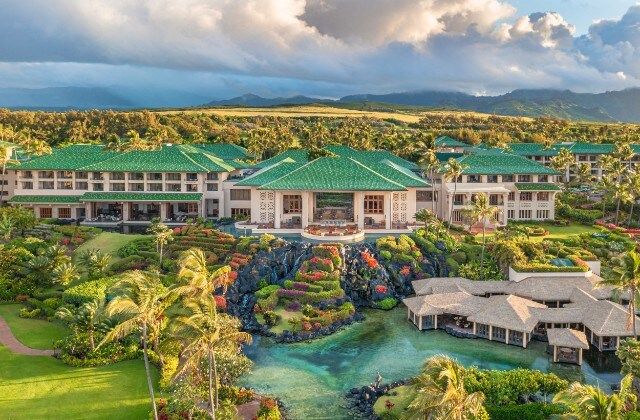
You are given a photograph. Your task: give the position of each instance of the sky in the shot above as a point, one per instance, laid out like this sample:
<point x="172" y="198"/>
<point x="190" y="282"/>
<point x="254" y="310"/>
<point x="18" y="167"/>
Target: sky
<point x="327" y="48"/>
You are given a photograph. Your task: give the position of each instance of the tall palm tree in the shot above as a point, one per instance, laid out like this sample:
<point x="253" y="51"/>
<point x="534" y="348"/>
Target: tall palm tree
<point x="562" y="162"/>
<point x="628" y="280"/>
<point x="162" y="235"/>
<point x="205" y="333"/>
<point x="586" y="402"/>
<point x="430" y="163"/>
<point x="141" y="300"/>
<point x="622" y="194"/>
<point x="86" y="318"/>
<point x="634" y="190"/>
<point x="440" y="392"/>
<point x="201" y="280"/>
<point x="452" y="171"/>
<point x="482" y="211"/>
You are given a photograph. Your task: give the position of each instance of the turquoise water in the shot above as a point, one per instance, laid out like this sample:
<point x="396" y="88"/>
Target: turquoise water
<point x="311" y="378"/>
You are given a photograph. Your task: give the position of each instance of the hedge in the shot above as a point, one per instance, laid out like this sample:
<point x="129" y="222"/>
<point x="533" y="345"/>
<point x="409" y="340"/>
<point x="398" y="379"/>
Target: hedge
<point x="88" y="291"/>
<point x="267" y="291"/>
<point x="531" y="411"/>
<point x="586" y="217"/>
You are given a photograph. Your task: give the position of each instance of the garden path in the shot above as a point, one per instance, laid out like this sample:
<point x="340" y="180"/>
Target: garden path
<point x="8" y="340"/>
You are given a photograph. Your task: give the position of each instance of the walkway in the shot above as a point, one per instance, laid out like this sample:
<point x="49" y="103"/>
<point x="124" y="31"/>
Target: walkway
<point x="8" y="340"/>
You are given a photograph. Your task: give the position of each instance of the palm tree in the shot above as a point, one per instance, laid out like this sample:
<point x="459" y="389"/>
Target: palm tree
<point x="141" y="300"/>
<point x="628" y="280"/>
<point x="7" y="226"/>
<point x="622" y="194"/>
<point x="440" y="392"/>
<point x="201" y="281"/>
<point x="204" y="333"/>
<point x="86" y="318"/>
<point x="66" y="273"/>
<point x="583" y="173"/>
<point x="94" y="261"/>
<point x="453" y="170"/>
<point x="430" y="163"/>
<point x="162" y="235"/>
<point x="426" y="216"/>
<point x="562" y="162"/>
<point x="588" y="402"/>
<point x="634" y="190"/>
<point x="482" y="211"/>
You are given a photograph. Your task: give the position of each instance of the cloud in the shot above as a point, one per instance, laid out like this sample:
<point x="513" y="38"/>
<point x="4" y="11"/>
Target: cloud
<point x="322" y="47"/>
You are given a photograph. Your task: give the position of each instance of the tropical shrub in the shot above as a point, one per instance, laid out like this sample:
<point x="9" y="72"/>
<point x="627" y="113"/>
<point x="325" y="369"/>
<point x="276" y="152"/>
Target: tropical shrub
<point x="271" y="318"/>
<point x="585" y="217"/>
<point x="267" y="291"/>
<point x="531" y="411"/>
<point x="88" y="291"/>
<point x="387" y="303"/>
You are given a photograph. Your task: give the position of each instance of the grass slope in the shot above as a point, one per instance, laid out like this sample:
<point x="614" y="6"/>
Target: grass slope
<point x="400" y="396"/>
<point x="34" y="333"/>
<point x="108" y="242"/>
<point x="40" y="387"/>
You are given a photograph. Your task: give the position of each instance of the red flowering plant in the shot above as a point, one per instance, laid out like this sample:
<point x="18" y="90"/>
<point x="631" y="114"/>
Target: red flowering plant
<point x="221" y="302"/>
<point x="405" y="271"/>
<point x="381" y="289"/>
<point x="369" y="259"/>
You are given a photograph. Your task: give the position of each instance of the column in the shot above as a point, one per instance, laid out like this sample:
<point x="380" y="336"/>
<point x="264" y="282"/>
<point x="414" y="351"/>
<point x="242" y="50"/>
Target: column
<point x="435" y="322"/>
<point x="580" y="357"/>
<point x="408" y="313"/>
<point x="125" y="211"/>
<point x="358" y="207"/>
<point x="305" y="209"/>
<point x="524" y="340"/>
<point x="420" y="323"/>
<point x="555" y="354"/>
<point x="506" y="337"/>
<point x="163" y="211"/>
<point x="474" y="328"/>
<point x="277" y="212"/>
<point x="388" y="200"/>
<point x="490" y="332"/>
<point x="88" y="214"/>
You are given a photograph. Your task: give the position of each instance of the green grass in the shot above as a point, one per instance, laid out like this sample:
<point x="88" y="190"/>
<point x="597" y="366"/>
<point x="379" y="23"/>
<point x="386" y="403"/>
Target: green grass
<point x="555" y="232"/>
<point x="400" y="396"/>
<point x="108" y="242"/>
<point x="34" y="333"/>
<point x="40" y="387"/>
<point x="283" y="325"/>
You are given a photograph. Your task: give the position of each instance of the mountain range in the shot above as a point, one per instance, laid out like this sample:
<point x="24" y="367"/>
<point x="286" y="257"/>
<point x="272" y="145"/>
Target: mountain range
<point x="623" y="105"/>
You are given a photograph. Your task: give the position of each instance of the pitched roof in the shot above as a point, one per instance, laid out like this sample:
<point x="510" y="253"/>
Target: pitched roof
<point x="68" y="158"/>
<point x="140" y="196"/>
<point x="446" y="141"/>
<point x="225" y="151"/>
<point x="270" y="173"/>
<point x="508" y="311"/>
<point x="45" y="199"/>
<point x="565" y="337"/>
<point x="532" y="149"/>
<point x="536" y="186"/>
<point x="502" y="164"/>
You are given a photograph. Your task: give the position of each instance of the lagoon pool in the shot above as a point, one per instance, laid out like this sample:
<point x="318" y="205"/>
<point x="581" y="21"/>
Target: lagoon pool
<point x="311" y="378"/>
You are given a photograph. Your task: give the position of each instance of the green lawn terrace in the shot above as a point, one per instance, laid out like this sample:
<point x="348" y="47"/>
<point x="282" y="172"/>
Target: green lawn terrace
<point x="309" y="304"/>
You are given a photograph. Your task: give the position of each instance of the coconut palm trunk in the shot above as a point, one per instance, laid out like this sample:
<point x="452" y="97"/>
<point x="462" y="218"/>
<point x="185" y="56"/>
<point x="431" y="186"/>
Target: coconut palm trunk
<point x="213" y="403"/>
<point x="145" y="353"/>
<point x="453" y="197"/>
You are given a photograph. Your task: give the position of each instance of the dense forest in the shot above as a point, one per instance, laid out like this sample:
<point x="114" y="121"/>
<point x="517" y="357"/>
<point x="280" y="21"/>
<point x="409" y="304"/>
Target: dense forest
<point x="266" y="136"/>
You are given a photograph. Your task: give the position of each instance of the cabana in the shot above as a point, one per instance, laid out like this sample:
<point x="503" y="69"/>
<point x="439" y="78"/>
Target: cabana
<point x="567" y="345"/>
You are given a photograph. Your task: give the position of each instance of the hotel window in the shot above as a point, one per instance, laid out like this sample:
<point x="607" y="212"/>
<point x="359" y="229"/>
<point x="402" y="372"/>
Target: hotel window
<point x="543" y="214"/>
<point x="425" y="196"/>
<point x="191" y="177"/>
<point x="212" y="186"/>
<point x="496" y="200"/>
<point x="240" y="195"/>
<point x="525" y="214"/>
<point x="136" y="176"/>
<point x="174" y="187"/>
<point x="582" y="158"/>
<point x="512" y="196"/>
<point x="192" y="207"/>
<point x="45" y="212"/>
<point x="507" y="178"/>
<point x="82" y="175"/>
<point x="458" y="199"/>
<point x="45" y="174"/>
<point x="543" y="196"/>
<point x="511" y="214"/>
<point x="117" y="186"/>
<point x="28" y="185"/>
<point x="155" y="187"/>
<point x="543" y="178"/>
<point x="154" y="176"/>
<point x="173" y="177"/>
<point x="373" y="204"/>
<point x="594" y="158"/>
<point x="212" y="176"/>
<point x="65" y="185"/>
<point x="292" y="204"/>
<point x="97" y="176"/>
<point x="64" y="213"/>
<point x="474" y="179"/>
<point x="136" y="186"/>
<point x="492" y="179"/>
<point x="457" y="216"/>
<point x="98" y="187"/>
<point x="116" y="176"/>
<point x="524" y="178"/>
<point x="240" y="212"/>
<point x="192" y="187"/>
<point x="27" y="174"/>
<point x="46" y="185"/>
<point x="526" y="196"/>
<point x="82" y="185"/>
<point x="65" y="174"/>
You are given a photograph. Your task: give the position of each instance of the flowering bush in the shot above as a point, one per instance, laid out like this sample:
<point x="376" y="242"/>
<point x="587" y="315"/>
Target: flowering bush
<point x="290" y="293"/>
<point x="369" y="259"/>
<point x="381" y="288"/>
<point x="221" y="302"/>
<point x="293" y="306"/>
<point x="405" y="271"/>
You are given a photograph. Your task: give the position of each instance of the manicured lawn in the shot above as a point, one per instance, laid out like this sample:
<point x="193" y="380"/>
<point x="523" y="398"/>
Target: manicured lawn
<point x="34" y="333"/>
<point x="108" y="242"/>
<point x="41" y="387"/>
<point x="401" y="397"/>
<point x="283" y="325"/>
<point x="555" y="232"/>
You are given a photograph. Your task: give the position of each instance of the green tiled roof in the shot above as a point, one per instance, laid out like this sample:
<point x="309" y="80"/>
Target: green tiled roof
<point x="270" y="173"/>
<point x="335" y="173"/>
<point x="45" y="199"/>
<point x="536" y="186"/>
<point x="170" y="158"/>
<point x="532" y="149"/>
<point x="588" y="148"/>
<point x="445" y="156"/>
<point x="297" y="155"/>
<point x="446" y="141"/>
<point x="140" y="196"/>
<point x="502" y="164"/>
<point x="399" y="175"/>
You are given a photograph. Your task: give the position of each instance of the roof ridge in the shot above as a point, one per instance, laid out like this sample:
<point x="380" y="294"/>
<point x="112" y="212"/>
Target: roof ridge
<point x="380" y="175"/>
<point x="189" y="157"/>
